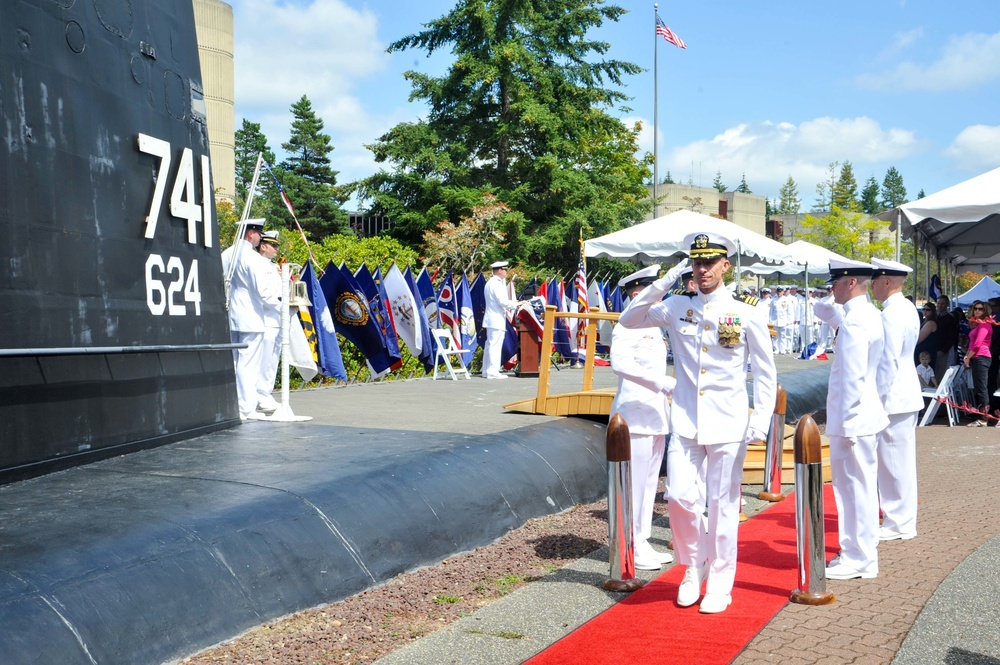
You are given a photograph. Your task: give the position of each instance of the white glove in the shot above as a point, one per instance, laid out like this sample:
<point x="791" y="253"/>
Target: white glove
<point x="668" y="385"/>
<point x="828" y="313"/>
<point x="674" y="273"/>
<point x="754" y="435"/>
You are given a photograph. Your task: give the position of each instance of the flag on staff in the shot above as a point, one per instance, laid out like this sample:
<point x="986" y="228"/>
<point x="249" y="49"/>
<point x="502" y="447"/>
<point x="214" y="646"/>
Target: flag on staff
<point x="580" y="288"/>
<point x="560" y="330"/>
<point x="529" y="290"/>
<point x="302" y="353"/>
<point x="389" y="329"/>
<point x="668" y="34"/>
<point x="427" y="297"/>
<point x="428" y="346"/>
<point x="378" y="309"/>
<point x="478" y="292"/>
<point x="595" y="298"/>
<point x="934" y="288"/>
<point x="403" y="308"/>
<point x="329" y="359"/>
<point x="447" y="306"/>
<point x="354" y="319"/>
<point x="466" y="319"/>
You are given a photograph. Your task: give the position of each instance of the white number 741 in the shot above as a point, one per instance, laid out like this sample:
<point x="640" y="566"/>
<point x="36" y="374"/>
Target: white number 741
<point x="182" y="195"/>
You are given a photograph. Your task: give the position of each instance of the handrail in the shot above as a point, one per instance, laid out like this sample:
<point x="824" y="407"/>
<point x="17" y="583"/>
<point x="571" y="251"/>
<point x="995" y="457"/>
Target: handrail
<point x="548" y="323"/>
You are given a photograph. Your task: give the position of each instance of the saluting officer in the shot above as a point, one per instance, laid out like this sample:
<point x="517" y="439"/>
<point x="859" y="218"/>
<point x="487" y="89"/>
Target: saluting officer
<point x="712" y="333"/>
<point x="899" y="389"/>
<point x="269" y="281"/>
<point x="639" y="358"/>
<point x="854" y="417"/>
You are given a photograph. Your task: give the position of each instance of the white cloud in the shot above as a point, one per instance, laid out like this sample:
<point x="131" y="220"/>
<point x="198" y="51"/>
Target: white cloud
<point x="976" y="149"/>
<point x="966" y="61"/>
<point x="769" y="152"/>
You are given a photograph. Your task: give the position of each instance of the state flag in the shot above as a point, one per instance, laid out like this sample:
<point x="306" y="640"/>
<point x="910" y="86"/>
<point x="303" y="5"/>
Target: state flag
<point x="354" y="319"/>
<point x="403" y="308"/>
<point x="328" y="357"/>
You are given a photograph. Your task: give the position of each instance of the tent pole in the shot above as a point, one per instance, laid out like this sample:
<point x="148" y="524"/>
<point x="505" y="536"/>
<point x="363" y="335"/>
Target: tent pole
<point x="899" y="232"/>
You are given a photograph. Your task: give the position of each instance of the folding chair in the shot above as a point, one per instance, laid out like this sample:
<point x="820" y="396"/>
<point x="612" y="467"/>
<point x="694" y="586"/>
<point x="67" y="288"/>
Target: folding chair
<point x="445" y="348"/>
<point x="944" y="389"/>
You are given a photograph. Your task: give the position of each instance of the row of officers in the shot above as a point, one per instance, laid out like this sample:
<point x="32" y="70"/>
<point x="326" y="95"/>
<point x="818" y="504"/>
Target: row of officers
<point x="254" y="299"/>
<point x="703" y="411"/>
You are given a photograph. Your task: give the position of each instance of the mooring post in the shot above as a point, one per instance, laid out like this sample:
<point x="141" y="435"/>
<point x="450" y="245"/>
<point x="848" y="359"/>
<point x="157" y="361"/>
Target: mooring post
<point x="774" y="450"/>
<point x="810" y="535"/>
<point x="621" y="546"/>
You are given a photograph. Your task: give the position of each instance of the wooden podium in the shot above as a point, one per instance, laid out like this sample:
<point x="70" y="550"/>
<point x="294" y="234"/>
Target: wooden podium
<point x="529" y="350"/>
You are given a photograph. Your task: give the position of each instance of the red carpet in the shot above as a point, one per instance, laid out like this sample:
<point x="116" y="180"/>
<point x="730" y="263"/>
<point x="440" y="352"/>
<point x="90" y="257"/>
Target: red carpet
<point x="648" y="628"/>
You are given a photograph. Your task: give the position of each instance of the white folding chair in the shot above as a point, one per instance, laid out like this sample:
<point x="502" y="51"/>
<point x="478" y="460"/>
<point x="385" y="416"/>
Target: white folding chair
<point x="944" y="389"/>
<point x="445" y="348"/>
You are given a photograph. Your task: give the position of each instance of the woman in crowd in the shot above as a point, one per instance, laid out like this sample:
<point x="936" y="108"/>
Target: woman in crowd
<point x="927" y="338"/>
<point x="977" y="356"/>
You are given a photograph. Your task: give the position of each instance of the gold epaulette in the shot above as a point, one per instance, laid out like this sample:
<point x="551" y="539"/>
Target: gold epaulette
<point x="748" y="299"/>
<point x="682" y="292"/>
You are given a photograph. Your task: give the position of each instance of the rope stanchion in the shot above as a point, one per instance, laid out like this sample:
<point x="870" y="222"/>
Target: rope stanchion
<point x="621" y="546"/>
<point x="774" y="450"/>
<point x="810" y="535"/>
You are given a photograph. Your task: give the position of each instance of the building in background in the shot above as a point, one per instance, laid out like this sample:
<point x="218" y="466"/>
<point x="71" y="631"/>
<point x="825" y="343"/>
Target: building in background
<point x="214" y="27"/>
<point x="746" y="210"/>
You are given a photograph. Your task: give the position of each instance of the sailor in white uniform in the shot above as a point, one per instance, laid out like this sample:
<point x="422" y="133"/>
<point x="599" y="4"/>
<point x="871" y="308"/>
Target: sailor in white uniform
<point x="713" y="333"/>
<point x="270" y="293"/>
<point x="639" y="358"/>
<point x="854" y="417"/>
<point x="240" y="265"/>
<point x="495" y="320"/>
<point x="899" y="389"/>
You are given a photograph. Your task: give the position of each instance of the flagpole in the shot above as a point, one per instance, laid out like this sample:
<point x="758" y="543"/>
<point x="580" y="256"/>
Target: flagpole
<point x="656" y="99"/>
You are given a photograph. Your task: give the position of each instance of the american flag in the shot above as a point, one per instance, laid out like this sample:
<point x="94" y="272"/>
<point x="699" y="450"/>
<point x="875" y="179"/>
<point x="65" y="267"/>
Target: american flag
<point x="288" y="204"/>
<point x="668" y="34"/>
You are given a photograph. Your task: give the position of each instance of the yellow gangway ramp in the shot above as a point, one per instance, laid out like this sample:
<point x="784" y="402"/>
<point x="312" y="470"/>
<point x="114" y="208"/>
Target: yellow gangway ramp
<point x="587" y="401"/>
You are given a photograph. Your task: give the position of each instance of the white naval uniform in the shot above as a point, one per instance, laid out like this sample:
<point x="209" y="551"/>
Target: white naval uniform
<point x="709" y="417"/>
<point x="854" y="417"/>
<point x="639" y="358"/>
<point x="899" y="389"/>
<point x="246" y="320"/>
<point x="495" y="322"/>
<point x="783" y="323"/>
<point x="270" y="293"/>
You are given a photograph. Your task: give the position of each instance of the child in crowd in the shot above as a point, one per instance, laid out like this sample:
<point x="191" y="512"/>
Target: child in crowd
<point x="925" y="372"/>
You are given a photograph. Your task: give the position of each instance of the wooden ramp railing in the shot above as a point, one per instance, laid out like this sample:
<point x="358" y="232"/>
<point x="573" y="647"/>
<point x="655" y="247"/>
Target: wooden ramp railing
<point x="585" y="402"/>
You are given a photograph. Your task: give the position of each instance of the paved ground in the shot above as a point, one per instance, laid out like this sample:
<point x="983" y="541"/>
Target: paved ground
<point x="933" y="602"/>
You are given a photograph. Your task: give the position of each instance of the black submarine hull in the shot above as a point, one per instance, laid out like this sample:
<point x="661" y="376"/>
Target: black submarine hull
<point x="114" y="331"/>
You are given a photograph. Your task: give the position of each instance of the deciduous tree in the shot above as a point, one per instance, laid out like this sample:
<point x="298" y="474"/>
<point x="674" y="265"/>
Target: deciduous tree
<point x="849" y="234"/>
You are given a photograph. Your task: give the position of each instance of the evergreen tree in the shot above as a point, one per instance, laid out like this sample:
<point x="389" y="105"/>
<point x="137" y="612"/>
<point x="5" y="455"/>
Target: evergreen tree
<point x="824" y="188"/>
<point x="743" y="189"/>
<point x="249" y="143"/>
<point x="668" y="180"/>
<point x="307" y="177"/>
<point x="845" y="191"/>
<point x="893" y="191"/>
<point x="789" y="203"/>
<point x="870" y="204"/>
<point x="920" y="194"/>
<point x="717" y="183"/>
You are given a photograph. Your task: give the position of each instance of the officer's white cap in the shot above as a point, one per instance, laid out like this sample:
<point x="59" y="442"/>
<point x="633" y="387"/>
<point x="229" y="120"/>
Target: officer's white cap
<point x="498" y="264"/>
<point x="849" y="268"/>
<point x="643" y="277"/>
<point x="708" y="245"/>
<point x="890" y="268"/>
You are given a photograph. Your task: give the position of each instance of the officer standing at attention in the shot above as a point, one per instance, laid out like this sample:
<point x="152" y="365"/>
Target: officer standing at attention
<point x="712" y="333"/>
<point x="495" y="319"/>
<point x="899" y="389"/>
<point x="639" y="358"/>
<point x="246" y="313"/>
<point x="854" y="417"/>
<point x="270" y="294"/>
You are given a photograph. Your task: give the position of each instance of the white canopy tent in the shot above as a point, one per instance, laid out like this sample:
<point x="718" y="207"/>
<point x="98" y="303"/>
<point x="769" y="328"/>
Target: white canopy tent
<point x="960" y="224"/>
<point x="663" y="238"/>
<point x="809" y="259"/>
<point x="986" y="288"/>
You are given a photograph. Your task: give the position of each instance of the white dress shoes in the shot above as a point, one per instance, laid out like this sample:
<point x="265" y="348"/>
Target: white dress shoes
<point x="267" y="404"/>
<point x="713" y="603"/>
<point x="885" y="534"/>
<point x="844" y="572"/>
<point x="690" y="589"/>
<point x="646" y="558"/>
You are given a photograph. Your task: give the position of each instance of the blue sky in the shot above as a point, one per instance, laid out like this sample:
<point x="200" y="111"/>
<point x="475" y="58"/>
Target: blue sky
<point x="771" y="89"/>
